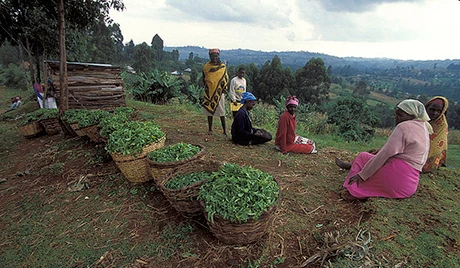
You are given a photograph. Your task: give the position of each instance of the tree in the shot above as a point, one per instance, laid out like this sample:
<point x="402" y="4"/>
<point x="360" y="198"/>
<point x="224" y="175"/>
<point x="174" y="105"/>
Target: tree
<point x="157" y="46"/>
<point x="273" y="81"/>
<point x="361" y="89"/>
<point x="312" y="82"/>
<point x="144" y="58"/>
<point x="353" y="119"/>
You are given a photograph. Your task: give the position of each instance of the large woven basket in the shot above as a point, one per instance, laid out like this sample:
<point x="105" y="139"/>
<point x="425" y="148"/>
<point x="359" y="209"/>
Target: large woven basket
<point x="159" y="170"/>
<point x="135" y="168"/>
<point x="93" y="133"/>
<point x="77" y="130"/>
<point x="52" y="126"/>
<point x="31" y="130"/>
<point x="184" y="200"/>
<point x="241" y="233"/>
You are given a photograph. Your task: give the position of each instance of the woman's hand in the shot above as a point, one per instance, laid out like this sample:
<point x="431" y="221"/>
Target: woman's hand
<point x="356" y="178"/>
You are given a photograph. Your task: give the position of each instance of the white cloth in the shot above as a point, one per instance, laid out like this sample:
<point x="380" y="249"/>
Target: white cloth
<point x="50" y="102"/>
<point x="236" y="89"/>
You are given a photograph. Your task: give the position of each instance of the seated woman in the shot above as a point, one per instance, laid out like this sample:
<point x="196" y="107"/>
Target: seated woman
<point x="394" y="171"/>
<point x="436" y="109"/>
<point x="242" y="131"/>
<point x="286" y="140"/>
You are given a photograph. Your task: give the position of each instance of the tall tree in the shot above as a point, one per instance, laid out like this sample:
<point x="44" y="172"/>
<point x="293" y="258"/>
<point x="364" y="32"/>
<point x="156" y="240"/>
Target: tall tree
<point x="312" y="82"/>
<point x="273" y="81"/>
<point x="144" y="58"/>
<point x="157" y="46"/>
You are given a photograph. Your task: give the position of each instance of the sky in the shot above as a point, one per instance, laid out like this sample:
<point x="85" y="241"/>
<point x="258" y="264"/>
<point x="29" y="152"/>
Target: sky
<point x="396" y="29"/>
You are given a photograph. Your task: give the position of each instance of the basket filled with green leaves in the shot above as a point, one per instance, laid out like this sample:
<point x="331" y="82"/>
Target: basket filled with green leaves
<point x="182" y="185"/>
<point x="30" y="126"/>
<point x="50" y="121"/>
<point x="113" y="121"/>
<point x="239" y="203"/>
<point x="89" y="124"/>
<point x="129" y="146"/>
<point x="165" y="159"/>
<point x="71" y="117"/>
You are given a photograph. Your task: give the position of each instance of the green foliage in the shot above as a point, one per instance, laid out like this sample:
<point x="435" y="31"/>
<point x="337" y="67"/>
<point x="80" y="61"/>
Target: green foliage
<point x="184" y="180"/>
<point x="353" y="119"/>
<point x="155" y="86"/>
<point x="238" y="194"/>
<point x="264" y="115"/>
<point x="312" y="82"/>
<point x="73" y="116"/>
<point x="131" y="137"/>
<point x="92" y="117"/>
<point x="195" y="94"/>
<point x="32" y="117"/>
<point x="114" y="121"/>
<point x="174" y="153"/>
<point x="13" y="76"/>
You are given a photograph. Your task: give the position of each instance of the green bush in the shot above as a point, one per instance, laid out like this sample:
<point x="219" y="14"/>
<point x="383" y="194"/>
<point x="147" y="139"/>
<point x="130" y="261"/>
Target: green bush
<point x="238" y="194"/>
<point x="13" y="77"/>
<point x="131" y="137"/>
<point x="353" y="119"/>
<point x="174" y="153"/>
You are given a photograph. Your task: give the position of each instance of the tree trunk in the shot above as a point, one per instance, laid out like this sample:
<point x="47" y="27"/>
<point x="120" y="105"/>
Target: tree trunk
<point x="64" y="100"/>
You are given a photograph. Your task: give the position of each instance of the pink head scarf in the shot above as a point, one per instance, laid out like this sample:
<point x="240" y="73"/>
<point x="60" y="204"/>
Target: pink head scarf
<point x="292" y="100"/>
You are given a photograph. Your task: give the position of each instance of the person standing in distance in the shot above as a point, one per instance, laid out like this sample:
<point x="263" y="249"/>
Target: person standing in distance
<point x="237" y="88"/>
<point x="215" y="79"/>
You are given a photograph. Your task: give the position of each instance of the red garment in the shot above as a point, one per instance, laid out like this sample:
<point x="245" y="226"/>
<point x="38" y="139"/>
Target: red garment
<point x="285" y="136"/>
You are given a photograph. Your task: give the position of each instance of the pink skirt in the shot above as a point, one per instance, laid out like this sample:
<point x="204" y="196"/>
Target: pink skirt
<point x="395" y="179"/>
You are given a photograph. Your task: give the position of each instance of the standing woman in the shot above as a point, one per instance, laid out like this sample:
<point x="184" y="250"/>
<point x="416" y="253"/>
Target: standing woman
<point x="395" y="170"/>
<point x="237" y="88"/>
<point x="215" y="79"/>
<point x="436" y="109"/>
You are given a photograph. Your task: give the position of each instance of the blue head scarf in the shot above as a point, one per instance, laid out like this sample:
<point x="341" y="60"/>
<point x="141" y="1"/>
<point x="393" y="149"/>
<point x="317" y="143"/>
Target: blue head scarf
<point x="247" y="96"/>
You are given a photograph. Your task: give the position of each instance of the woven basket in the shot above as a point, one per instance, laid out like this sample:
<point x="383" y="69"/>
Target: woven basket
<point x="159" y="170"/>
<point x="31" y="129"/>
<point x="184" y="200"/>
<point x="241" y="233"/>
<point x="93" y="133"/>
<point x="52" y="126"/>
<point x="136" y="168"/>
<point x="77" y="130"/>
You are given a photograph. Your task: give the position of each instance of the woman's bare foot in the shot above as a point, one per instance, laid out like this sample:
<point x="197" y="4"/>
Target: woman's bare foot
<point x="343" y="164"/>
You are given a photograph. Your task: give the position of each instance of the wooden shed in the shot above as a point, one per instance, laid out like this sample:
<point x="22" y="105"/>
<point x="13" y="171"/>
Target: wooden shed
<point x="91" y="86"/>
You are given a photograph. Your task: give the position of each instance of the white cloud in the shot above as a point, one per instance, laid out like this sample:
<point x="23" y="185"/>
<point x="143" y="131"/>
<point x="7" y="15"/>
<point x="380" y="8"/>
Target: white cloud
<point x="424" y="29"/>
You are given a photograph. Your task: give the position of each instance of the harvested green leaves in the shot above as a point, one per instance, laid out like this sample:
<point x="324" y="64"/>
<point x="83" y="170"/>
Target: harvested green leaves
<point x="131" y="137"/>
<point x="38" y="115"/>
<point x="238" y="194"/>
<point x="173" y="153"/>
<point x="183" y="180"/>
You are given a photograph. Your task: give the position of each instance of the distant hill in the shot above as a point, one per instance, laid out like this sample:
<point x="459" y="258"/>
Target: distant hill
<point x="296" y="59"/>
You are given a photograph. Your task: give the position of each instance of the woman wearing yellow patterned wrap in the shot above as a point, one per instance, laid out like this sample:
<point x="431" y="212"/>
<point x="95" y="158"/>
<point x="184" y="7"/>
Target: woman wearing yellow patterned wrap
<point x="215" y="79"/>
<point x="436" y="109"/>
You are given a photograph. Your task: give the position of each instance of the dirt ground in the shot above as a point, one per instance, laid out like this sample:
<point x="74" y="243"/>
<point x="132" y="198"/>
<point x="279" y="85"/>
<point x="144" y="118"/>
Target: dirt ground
<point x="47" y="166"/>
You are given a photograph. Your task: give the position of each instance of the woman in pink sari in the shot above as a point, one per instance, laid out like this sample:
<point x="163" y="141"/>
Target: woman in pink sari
<point x="394" y="171"/>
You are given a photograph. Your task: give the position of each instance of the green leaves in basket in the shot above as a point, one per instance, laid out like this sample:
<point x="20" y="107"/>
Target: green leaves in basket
<point x="238" y="194"/>
<point x="92" y="117"/>
<point x="183" y="180"/>
<point x="32" y="117"/>
<point x="49" y="113"/>
<point x="173" y="153"/>
<point x="115" y="120"/>
<point x="131" y="137"/>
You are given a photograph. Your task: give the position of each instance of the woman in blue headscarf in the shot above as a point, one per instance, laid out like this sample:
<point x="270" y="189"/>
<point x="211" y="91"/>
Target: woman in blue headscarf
<point x="242" y="131"/>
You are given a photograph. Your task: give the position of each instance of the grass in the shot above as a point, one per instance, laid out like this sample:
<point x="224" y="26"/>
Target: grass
<point x="115" y="223"/>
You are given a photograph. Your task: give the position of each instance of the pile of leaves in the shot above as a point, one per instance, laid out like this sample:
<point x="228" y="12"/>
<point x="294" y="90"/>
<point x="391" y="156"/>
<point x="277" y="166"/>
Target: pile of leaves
<point x="184" y="180"/>
<point x="73" y="116"/>
<point x="174" y="153"/>
<point x="114" y="121"/>
<point x="238" y="194"/>
<point x="92" y="117"/>
<point x="49" y="113"/>
<point x="131" y="137"/>
<point x="33" y="117"/>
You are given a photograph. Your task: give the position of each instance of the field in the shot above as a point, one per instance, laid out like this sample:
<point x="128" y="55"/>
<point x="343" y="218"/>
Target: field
<point x="64" y="203"/>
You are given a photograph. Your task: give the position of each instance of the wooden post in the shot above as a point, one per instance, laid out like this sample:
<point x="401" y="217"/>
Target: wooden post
<point x="64" y="100"/>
